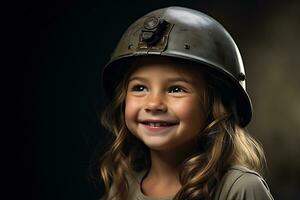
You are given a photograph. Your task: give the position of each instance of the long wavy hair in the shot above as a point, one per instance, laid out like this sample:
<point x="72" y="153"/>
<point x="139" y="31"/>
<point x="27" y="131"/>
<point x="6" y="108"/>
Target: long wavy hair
<point x="221" y="144"/>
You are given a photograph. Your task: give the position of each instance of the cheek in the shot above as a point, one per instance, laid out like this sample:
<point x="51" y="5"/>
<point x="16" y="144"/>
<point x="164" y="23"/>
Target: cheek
<point x="131" y="110"/>
<point x="189" y="110"/>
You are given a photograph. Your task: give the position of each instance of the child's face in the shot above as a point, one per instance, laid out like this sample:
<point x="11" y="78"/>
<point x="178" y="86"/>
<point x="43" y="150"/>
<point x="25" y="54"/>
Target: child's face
<point x="164" y="104"/>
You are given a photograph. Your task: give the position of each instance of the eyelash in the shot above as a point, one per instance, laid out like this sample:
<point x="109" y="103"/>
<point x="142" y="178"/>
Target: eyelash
<point x="136" y="88"/>
<point x="172" y="88"/>
<point x="141" y="88"/>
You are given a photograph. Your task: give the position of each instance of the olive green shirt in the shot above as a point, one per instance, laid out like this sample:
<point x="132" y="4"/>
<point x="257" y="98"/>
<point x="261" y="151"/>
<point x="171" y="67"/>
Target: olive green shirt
<point x="239" y="183"/>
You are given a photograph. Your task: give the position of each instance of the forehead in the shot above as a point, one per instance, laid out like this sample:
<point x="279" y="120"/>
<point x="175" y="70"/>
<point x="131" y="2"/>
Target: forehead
<point x="166" y="67"/>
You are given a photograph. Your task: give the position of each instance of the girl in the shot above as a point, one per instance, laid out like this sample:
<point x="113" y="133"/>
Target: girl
<point x="178" y="113"/>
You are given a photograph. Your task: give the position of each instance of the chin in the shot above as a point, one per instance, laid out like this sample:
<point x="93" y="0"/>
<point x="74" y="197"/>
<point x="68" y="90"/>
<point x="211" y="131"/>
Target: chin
<point x="158" y="146"/>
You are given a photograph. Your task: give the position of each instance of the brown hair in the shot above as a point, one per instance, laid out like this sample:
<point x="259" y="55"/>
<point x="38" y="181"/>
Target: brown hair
<point x="222" y="143"/>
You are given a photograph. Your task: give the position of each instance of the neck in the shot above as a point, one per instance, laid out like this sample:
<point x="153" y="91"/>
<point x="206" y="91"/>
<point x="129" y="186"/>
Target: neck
<point x="163" y="176"/>
<point x="165" y="165"/>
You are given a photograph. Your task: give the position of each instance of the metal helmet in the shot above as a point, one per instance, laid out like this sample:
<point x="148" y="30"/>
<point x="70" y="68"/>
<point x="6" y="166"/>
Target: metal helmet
<point x="185" y="34"/>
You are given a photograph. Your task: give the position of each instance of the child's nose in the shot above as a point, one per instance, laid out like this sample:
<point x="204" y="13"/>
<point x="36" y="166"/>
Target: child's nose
<point x="155" y="103"/>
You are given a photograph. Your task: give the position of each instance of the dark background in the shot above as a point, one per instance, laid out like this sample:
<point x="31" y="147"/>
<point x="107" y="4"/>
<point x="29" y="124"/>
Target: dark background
<point x="61" y="47"/>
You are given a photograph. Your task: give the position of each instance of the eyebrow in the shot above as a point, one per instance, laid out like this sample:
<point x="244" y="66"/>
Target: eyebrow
<point x="176" y="79"/>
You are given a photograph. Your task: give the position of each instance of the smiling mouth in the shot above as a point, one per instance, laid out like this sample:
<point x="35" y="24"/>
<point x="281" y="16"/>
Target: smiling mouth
<point x="158" y="127"/>
<point x="159" y="124"/>
<point x="163" y="124"/>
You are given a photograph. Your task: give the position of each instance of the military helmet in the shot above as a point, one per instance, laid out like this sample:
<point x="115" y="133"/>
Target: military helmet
<point x="187" y="34"/>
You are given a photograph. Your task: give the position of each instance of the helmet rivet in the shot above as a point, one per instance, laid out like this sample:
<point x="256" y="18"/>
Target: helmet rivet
<point x="187" y="46"/>
<point x="241" y="76"/>
<point x="130" y="46"/>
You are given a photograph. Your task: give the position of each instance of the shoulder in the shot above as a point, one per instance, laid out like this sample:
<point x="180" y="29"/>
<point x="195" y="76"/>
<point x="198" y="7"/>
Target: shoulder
<point x="133" y="180"/>
<point x="242" y="183"/>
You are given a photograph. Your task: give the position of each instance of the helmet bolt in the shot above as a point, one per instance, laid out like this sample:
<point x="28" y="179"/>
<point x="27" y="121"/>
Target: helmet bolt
<point x="151" y="23"/>
<point x="187" y="46"/>
<point x="130" y="46"/>
<point x="147" y="36"/>
<point x="241" y="76"/>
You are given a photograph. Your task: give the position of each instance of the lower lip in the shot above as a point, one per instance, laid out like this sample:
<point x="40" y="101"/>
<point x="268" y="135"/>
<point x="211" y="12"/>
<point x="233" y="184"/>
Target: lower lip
<point x="158" y="128"/>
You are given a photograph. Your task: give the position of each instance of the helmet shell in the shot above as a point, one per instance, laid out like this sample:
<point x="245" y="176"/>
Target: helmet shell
<point x="185" y="34"/>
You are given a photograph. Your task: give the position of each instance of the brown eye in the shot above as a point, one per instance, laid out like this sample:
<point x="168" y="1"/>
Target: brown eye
<point x="176" y="89"/>
<point x="139" y="88"/>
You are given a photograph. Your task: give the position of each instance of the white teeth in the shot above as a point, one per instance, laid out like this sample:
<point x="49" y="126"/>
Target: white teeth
<point x="158" y="124"/>
<point x="152" y="124"/>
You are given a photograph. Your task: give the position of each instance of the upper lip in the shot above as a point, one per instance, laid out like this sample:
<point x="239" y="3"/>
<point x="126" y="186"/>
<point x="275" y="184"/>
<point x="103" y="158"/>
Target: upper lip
<point x="146" y="121"/>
